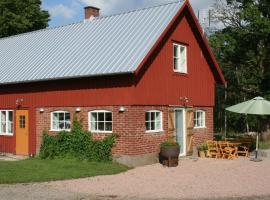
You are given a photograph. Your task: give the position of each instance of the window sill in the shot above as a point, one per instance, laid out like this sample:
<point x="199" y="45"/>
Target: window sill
<point x="6" y="134"/>
<point x="68" y="130"/>
<point x="155" y="132"/>
<point x="101" y="132"/>
<point x="203" y="127"/>
<point x="177" y="73"/>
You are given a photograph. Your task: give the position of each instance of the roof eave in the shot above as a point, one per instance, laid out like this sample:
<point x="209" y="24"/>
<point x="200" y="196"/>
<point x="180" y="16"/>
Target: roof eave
<point x="66" y="78"/>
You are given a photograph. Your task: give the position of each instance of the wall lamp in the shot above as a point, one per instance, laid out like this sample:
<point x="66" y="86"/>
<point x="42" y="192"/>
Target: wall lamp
<point x="41" y="110"/>
<point x="122" y="109"/>
<point x="78" y="110"/>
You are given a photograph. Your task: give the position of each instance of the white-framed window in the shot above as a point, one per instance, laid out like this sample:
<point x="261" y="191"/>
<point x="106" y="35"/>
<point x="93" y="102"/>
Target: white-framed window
<point x="60" y="121"/>
<point x="153" y="121"/>
<point x="179" y="58"/>
<point x="6" y="120"/>
<point x="199" y="119"/>
<point x="100" y="121"/>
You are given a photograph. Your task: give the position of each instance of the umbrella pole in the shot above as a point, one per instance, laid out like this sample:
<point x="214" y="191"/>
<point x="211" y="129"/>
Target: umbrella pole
<point x="257" y="146"/>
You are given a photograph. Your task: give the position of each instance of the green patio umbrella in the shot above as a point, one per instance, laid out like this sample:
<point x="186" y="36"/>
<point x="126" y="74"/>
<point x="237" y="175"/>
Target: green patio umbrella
<point x="256" y="106"/>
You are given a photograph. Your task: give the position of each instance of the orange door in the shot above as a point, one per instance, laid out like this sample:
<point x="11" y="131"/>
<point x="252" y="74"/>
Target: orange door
<point x="22" y="132"/>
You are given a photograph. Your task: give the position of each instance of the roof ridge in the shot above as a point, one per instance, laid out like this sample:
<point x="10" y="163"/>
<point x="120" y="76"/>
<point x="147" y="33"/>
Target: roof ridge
<point x="139" y="9"/>
<point x="95" y="19"/>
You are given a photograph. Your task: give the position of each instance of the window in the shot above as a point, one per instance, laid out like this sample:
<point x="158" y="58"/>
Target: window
<point x="6" y="120"/>
<point x="153" y="121"/>
<point x="180" y="58"/>
<point x="100" y="121"/>
<point x="60" y="120"/>
<point x="199" y="119"/>
<point x="22" y="121"/>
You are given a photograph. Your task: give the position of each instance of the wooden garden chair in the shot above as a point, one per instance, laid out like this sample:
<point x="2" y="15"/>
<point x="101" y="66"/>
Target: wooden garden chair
<point x="228" y="150"/>
<point x="212" y="149"/>
<point x="242" y="150"/>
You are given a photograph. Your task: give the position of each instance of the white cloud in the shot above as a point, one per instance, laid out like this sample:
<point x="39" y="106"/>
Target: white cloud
<point x="61" y="10"/>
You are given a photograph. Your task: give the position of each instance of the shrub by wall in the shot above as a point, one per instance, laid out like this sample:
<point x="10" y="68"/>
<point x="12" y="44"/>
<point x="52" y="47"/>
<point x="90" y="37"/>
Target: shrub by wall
<point x="77" y="143"/>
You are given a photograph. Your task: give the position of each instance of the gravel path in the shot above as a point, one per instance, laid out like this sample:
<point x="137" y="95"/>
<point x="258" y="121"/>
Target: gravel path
<point x="203" y="179"/>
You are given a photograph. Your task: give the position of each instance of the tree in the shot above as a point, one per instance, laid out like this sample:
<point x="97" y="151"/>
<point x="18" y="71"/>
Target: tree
<point x="242" y="47"/>
<point x="17" y="16"/>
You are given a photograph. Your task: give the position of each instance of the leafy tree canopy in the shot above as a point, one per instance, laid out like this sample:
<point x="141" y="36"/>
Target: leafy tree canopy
<point x="242" y="48"/>
<point x="20" y="16"/>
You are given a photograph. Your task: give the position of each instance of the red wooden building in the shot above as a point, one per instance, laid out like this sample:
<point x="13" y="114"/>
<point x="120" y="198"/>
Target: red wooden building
<point x="146" y="75"/>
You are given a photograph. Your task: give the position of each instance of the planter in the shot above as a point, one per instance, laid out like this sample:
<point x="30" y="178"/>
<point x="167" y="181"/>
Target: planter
<point x="202" y="154"/>
<point x="169" y="155"/>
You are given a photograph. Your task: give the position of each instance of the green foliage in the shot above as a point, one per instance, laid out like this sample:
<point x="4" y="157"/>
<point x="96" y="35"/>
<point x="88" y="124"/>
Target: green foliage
<point x="17" y="16"/>
<point x="78" y="144"/>
<point x="264" y="145"/>
<point x="202" y="147"/>
<point x="242" y="48"/>
<point x="169" y="143"/>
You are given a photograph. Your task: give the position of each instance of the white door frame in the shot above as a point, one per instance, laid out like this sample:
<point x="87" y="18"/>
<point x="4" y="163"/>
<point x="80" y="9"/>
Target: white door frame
<point x="184" y="153"/>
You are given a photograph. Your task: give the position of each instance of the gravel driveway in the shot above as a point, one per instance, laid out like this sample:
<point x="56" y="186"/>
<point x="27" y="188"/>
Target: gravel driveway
<point x="202" y="179"/>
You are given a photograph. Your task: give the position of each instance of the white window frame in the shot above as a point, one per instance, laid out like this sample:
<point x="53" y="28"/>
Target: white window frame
<point x="182" y="68"/>
<point x="202" y="123"/>
<point x="60" y="111"/>
<point x="6" y="121"/>
<point x="155" y="120"/>
<point x="99" y="111"/>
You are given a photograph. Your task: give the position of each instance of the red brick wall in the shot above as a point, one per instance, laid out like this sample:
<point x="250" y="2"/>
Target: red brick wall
<point x="203" y="134"/>
<point x="129" y="125"/>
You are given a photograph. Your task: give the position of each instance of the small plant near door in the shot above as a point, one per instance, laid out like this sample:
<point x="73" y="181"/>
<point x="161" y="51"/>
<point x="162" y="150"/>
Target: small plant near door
<point x="202" y="148"/>
<point x="169" y="153"/>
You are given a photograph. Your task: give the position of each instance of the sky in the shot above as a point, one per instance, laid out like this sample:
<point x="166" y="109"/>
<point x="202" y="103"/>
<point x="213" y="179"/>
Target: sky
<point x="64" y="12"/>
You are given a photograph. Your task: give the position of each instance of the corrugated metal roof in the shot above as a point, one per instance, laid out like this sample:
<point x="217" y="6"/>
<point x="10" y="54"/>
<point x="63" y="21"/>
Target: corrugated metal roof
<point x="106" y="45"/>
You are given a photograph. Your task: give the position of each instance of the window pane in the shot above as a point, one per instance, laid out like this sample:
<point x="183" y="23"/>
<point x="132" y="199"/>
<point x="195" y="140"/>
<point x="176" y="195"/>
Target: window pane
<point x="153" y="117"/>
<point x="55" y="117"/>
<point x="10" y="127"/>
<point x="67" y="117"/>
<point x="67" y="124"/>
<point x="147" y="116"/>
<point x="175" y="51"/>
<point x="108" y="116"/>
<point x="3" y="122"/>
<point x="153" y="127"/>
<point x="55" y="125"/>
<point x="108" y="126"/>
<point x="158" y="116"/>
<point x="61" y="125"/>
<point x="101" y="117"/>
<point x="158" y="125"/>
<point x="93" y="117"/>
<point x="148" y="126"/>
<point x="10" y="116"/>
<point x="93" y="126"/>
<point x="101" y="126"/>
<point x="61" y="116"/>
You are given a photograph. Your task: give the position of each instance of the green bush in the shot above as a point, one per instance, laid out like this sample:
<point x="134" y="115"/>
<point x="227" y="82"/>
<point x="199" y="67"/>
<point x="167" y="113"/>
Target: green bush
<point x="169" y="143"/>
<point x="76" y="144"/>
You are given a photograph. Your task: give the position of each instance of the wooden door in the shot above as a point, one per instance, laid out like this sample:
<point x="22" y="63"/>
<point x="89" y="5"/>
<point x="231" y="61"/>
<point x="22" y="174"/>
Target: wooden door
<point x="189" y="127"/>
<point x="22" y="132"/>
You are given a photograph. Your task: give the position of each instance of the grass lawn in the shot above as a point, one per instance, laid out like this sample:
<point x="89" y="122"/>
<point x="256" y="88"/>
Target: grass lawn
<point x="37" y="170"/>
